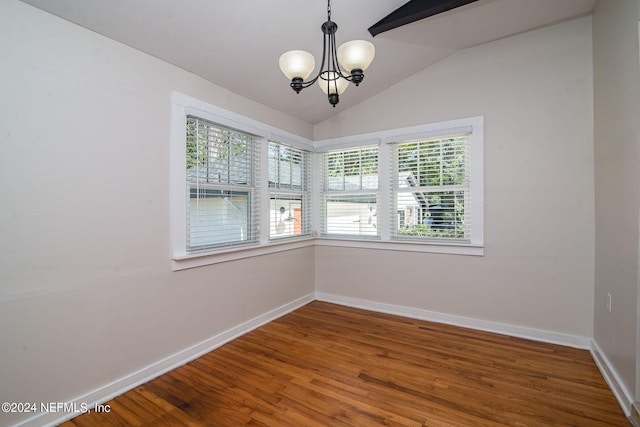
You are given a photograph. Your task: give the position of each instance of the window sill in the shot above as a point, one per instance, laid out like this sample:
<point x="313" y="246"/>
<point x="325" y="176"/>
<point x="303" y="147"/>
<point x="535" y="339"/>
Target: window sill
<point x="405" y="246"/>
<point x="198" y="260"/>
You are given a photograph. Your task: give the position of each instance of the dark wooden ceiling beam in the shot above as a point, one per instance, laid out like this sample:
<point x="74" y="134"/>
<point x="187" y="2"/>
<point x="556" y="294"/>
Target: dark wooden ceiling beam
<point x="414" y="10"/>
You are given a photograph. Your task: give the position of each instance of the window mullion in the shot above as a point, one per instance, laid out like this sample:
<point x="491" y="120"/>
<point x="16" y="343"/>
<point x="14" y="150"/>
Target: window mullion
<point x="441" y="163"/>
<point x="360" y="167"/>
<point x="384" y="221"/>
<point x="263" y="191"/>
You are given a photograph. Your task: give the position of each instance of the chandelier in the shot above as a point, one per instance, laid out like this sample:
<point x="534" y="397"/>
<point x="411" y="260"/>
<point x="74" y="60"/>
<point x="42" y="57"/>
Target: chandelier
<point x="354" y="56"/>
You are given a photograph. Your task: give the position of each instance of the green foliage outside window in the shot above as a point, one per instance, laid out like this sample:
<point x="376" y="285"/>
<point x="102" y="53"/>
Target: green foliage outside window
<point x="358" y="162"/>
<point x="210" y="147"/>
<point x="436" y="169"/>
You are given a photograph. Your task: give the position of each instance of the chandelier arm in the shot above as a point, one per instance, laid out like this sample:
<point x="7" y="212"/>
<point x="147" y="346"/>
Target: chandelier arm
<point x="303" y="85"/>
<point x="331" y="78"/>
<point x="329" y="29"/>
<point x="327" y="36"/>
<point x="334" y="61"/>
<point x="332" y="72"/>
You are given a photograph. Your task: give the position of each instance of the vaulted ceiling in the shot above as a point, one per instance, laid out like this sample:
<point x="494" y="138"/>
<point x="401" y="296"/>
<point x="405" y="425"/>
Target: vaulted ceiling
<point x="236" y="44"/>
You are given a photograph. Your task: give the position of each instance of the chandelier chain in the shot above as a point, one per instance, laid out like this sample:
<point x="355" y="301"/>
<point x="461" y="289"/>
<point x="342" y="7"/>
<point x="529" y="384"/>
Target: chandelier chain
<point x="329" y="9"/>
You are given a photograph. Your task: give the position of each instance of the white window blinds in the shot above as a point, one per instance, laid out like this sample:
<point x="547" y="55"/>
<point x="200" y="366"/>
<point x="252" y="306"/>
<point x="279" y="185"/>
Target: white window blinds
<point x="289" y="191"/>
<point x="430" y="189"/>
<point x="349" y="192"/>
<point x="222" y="186"/>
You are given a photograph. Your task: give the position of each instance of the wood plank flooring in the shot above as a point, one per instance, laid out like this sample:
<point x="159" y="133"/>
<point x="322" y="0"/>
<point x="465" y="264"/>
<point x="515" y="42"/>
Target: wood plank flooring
<point x="329" y="365"/>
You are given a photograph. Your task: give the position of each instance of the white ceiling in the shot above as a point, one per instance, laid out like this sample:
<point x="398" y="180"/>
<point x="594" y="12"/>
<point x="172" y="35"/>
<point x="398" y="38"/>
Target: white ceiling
<point x="236" y="44"/>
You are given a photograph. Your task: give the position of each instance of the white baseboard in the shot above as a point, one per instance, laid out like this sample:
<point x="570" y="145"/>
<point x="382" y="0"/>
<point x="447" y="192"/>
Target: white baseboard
<point x="118" y="387"/>
<point x="466" y="322"/>
<point x="620" y="391"/>
<point x="635" y="415"/>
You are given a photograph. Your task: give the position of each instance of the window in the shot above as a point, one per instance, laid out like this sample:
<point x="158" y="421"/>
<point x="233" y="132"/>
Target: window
<point x="222" y="167"/>
<point x="417" y="189"/>
<point x="350" y="186"/>
<point x="430" y="189"/>
<point x="235" y="182"/>
<point x="241" y="188"/>
<point x="289" y="191"/>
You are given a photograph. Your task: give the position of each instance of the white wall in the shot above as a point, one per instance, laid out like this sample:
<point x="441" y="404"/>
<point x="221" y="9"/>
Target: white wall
<point x="87" y="294"/>
<point x="535" y="92"/>
<point x="617" y="182"/>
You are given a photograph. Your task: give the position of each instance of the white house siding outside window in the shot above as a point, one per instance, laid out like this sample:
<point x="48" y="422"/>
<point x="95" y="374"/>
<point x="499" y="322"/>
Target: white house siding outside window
<point x="350" y="192"/>
<point x="222" y="167"/>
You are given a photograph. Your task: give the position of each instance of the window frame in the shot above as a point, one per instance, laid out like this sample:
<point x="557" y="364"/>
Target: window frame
<point x="426" y="190"/>
<point x="474" y="126"/>
<point x="327" y="192"/>
<point x="183" y="105"/>
<point x="238" y="176"/>
<point x="279" y="192"/>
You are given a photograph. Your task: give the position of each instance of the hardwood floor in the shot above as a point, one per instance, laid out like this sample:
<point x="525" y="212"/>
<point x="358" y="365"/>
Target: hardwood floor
<point x="327" y="365"/>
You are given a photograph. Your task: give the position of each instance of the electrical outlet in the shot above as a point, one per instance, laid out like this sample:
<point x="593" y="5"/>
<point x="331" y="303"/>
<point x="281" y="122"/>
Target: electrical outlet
<point x="609" y="302"/>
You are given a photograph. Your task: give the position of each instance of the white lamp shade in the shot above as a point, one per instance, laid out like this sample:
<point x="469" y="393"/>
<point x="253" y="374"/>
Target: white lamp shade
<point x="356" y="55"/>
<point x="329" y="87"/>
<point x="297" y="63"/>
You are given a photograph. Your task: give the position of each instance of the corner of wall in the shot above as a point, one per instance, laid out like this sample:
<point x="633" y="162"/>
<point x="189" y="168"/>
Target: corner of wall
<point x="635" y="414"/>
<point x="613" y="379"/>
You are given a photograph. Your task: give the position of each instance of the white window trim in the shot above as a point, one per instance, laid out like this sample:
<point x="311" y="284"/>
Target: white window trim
<point x="183" y="105"/>
<point x="472" y="125"/>
<point x="404" y="246"/>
